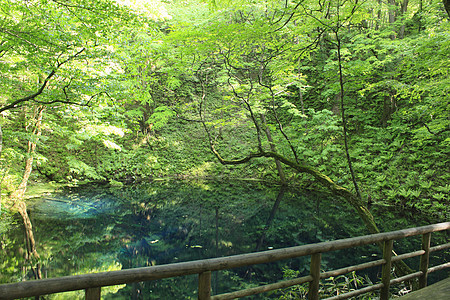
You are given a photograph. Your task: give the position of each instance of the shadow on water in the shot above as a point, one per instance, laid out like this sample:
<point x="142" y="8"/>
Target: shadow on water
<point x="94" y="228"/>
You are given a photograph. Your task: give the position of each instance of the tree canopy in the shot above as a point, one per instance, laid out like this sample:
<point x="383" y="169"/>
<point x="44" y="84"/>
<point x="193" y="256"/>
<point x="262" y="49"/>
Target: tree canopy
<point x="350" y="97"/>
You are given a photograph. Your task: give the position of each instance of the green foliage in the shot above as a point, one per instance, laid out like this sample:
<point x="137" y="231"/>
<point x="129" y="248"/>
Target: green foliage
<point x="317" y="136"/>
<point x="229" y="66"/>
<point x="160" y="116"/>
<point x="332" y="286"/>
<point x="159" y="82"/>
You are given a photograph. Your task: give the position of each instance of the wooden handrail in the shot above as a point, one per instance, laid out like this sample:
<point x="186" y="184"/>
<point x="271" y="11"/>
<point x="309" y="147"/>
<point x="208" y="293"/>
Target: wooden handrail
<point x="92" y="282"/>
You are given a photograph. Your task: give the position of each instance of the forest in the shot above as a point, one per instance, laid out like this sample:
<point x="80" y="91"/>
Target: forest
<point x="348" y="98"/>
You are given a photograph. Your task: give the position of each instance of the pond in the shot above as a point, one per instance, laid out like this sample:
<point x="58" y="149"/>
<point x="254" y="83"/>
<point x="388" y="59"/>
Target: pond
<point x="100" y="228"/>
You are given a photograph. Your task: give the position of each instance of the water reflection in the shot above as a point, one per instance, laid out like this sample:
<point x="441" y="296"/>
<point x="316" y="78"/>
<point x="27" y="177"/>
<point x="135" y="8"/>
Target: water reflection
<point x="269" y="221"/>
<point x="98" y="228"/>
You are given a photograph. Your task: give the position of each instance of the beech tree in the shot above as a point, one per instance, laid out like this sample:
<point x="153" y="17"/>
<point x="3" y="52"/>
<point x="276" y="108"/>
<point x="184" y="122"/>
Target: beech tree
<point x="49" y="52"/>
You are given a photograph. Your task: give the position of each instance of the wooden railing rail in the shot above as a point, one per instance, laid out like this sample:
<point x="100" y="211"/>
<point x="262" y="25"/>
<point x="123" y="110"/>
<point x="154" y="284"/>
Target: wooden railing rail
<point x="93" y="282"/>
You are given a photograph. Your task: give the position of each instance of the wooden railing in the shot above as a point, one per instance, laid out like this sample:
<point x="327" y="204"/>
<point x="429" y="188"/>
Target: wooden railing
<point x="92" y="283"/>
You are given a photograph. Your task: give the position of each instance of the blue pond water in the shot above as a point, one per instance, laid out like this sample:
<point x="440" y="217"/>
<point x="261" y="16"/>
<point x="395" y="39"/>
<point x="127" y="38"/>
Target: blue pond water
<point x="80" y="208"/>
<point x="97" y="228"/>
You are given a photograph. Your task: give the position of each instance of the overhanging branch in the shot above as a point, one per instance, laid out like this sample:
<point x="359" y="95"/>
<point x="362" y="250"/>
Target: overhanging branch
<point x="18" y="102"/>
<point x="30" y="97"/>
<point x="324" y="180"/>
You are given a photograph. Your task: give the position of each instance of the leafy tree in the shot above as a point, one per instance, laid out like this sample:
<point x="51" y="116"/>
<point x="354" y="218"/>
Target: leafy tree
<point x="52" y="53"/>
<point x="242" y="70"/>
<point x="348" y="96"/>
<point x="247" y="64"/>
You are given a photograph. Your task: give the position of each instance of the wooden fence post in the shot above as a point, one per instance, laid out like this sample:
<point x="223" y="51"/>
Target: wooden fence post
<point x="386" y="269"/>
<point x="425" y="259"/>
<point x="204" y="286"/>
<point x="314" y="270"/>
<point x="93" y="293"/>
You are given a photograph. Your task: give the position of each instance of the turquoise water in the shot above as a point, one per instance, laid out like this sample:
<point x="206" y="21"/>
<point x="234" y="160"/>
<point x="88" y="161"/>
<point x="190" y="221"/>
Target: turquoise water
<point x="98" y="228"/>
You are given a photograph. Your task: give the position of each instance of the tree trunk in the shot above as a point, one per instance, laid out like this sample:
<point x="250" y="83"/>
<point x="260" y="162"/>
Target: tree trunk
<point x="392" y="10"/>
<point x="272" y="148"/>
<point x="379" y="16"/>
<point x="344" y="119"/>
<point x="18" y="194"/>
<point x="388" y="109"/>
<point x="404" y="8"/>
<point x="392" y="14"/>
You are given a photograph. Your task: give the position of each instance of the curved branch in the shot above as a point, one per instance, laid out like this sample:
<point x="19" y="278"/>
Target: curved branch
<point x="344" y="120"/>
<point x="67" y="101"/>
<point x="69" y="5"/>
<point x="244" y="160"/>
<point x="16" y="35"/>
<point x="323" y="179"/>
<point x="15" y="104"/>
<point x="290" y="17"/>
<point x="30" y="97"/>
<point x="435" y="133"/>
